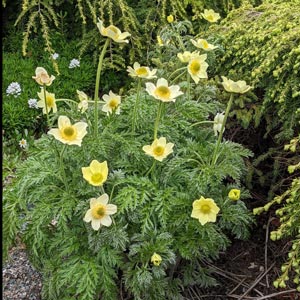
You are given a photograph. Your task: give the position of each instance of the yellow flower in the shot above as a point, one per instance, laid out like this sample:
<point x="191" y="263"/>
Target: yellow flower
<point x="203" y="44"/>
<point x="234" y="194"/>
<point x="205" y="210"/>
<point x="83" y="98"/>
<point x="239" y="87"/>
<point x="159" y="149"/>
<point x="113" y="32"/>
<point x="141" y="71"/>
<point x="197" y="67"/>
<point x="159" y="41"/>
<point x="68" y="133"/>
<point x="96" y="173"/>
<point x="185" y="56"/>
<point x="42" y="77"/>
<point x="50" y="100"/>
<point x="170" y="19"/>
<point x="162" y="91"/>
<point x="99" y="212"/>
<point x="156" y="259"/>
<point x="218" y="121"/>
<point x="210" y="15"/>
<point x="112" y="103"/>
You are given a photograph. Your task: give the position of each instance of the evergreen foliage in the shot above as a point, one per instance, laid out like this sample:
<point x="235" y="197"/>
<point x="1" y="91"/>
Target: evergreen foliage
<point x="289" y="215"/>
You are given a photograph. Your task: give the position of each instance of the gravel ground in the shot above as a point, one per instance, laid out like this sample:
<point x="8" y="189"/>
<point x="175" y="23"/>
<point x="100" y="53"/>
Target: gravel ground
<point x="19" y="279"/>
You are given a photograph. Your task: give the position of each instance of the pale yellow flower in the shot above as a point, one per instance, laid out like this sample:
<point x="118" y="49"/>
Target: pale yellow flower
<point x="84" y="103"/>
<point x="96" y="173"/>
<point x="156" y="259"/>
<point x="203" y="44"/>
<point x="112" y="103"/>
<point x="113" y="32"/>
<point x="160" y="41"/>
<point x="234" y="194"/>
<point x="210" y="15"/>
<point x="50" y="100"/>
<point x="42" y="77"/>
<point x="205" y="210"/>
<point x="67" y="133"/>
<point x="99" y="212"/>
<point x="162" y="91"/>
<point x="197" y="67"/>
<point x="141" y="71"/>
<point x="218" y="121"/>
<point x="159" y="149"/>
<point x="239" y="87"/>
<point x="185" y="56"/>
<point x="170" y="19"/>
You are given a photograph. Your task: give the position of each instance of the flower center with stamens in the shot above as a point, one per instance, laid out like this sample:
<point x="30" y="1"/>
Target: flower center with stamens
<point x="97" y="178"/>
<point x="195" y="67"/>
<point x="158" y="150"/>
<point x="98" y="211"/>
<point x="205" y="44"/>
<point x="113" y="103"/>
<point x="210" y="18"/>
<point x="163" y="92"/>
<point x="142" y="71"/>
<point x="205" y="209"/>
<point x="50" y="101"/>
<point x="69" y="133"/>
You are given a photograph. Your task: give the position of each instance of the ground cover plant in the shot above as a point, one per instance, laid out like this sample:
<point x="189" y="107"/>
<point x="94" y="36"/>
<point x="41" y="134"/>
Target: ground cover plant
<point x="132" y="191"/>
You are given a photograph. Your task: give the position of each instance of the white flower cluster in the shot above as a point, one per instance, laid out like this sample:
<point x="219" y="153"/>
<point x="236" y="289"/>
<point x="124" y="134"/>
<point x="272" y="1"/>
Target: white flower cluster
<point x="74" y="63"/>
<point x="55" y="56"/>
<point x="14" y="89"/>
<point x="32" y="103"/>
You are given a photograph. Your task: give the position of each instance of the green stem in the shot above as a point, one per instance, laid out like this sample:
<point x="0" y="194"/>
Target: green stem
<point x="160" y="106"/>
<point x="174" y="80"/>
<point x="202" y="122"/>
<point x="102" y="189"/>
<point x="68" y="100"/>
<point x="63" y="172"/>
<point x="46" y="105"/>
<point x="214" y="157"/>
<point x="152" y="167"/>
<point x="189" y="86"/>
<point x="97" y="85"/>
<point x="136" y="105"/>
<point x="183" y="68"/>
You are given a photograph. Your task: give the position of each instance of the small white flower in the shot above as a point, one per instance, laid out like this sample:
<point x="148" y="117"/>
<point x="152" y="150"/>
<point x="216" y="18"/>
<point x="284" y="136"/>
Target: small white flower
<point x="55" y="56"/>
<point x="74" y="63"/>
<point x="32" y="103"/>
<point x="218" y="121"/>
<point x="23" y="143"/>
<point x="14" y="89"/>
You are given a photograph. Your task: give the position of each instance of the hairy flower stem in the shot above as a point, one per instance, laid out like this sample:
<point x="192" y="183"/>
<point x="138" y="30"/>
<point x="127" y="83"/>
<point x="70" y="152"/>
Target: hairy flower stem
<point x="46" y="105"/>
<point x="177" y="70"/>
<point x="189" y="86"/>
<point x="160" y="106"/>
<point x="136" y="105"/>
<point x="97" y="86"/>
<point x="214" y="157"/>
<point x="61" y="163"/>
<point x="152" y="168"/>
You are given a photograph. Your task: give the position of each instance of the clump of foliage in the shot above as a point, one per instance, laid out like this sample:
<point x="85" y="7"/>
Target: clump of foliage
<point x="262" y="45"/>
<point x="17" y="113"/>
<point x="289" y="215"/>
<point x="173" y="184"/>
